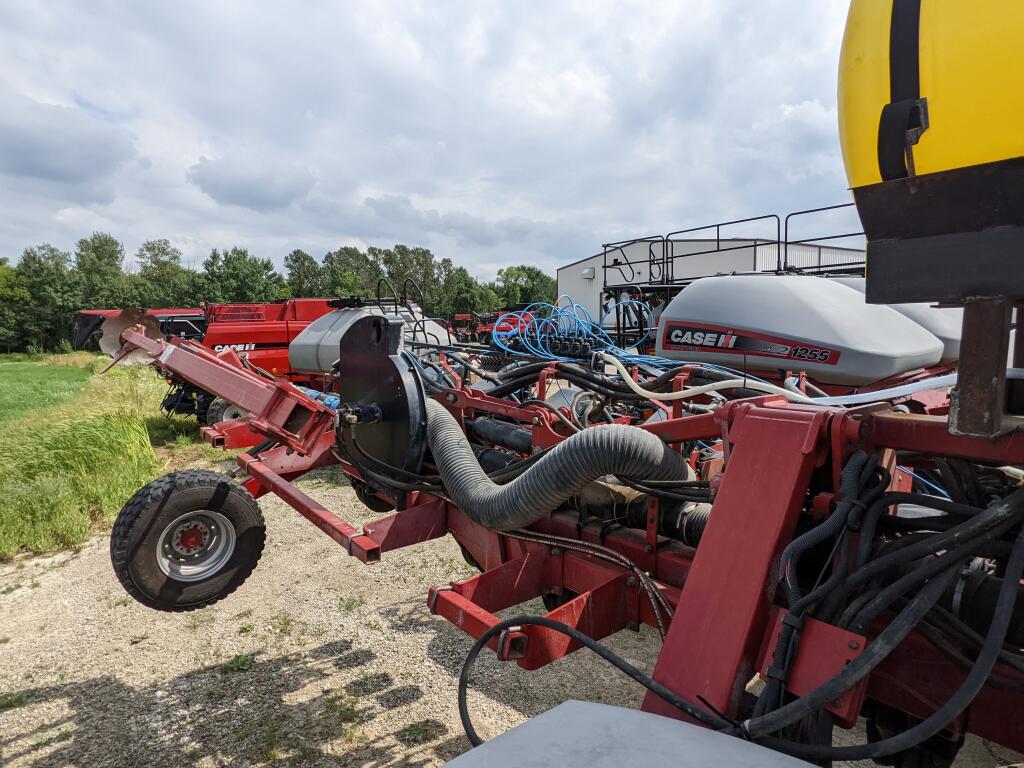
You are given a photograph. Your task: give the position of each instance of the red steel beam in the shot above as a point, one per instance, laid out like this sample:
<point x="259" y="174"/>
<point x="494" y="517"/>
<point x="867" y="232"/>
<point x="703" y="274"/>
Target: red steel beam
<point x="356" y="543"/>
<point x="930" y="434"/>
<point x="720" y="620"/>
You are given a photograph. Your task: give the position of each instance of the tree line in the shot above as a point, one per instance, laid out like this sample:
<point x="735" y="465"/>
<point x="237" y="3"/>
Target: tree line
<point x="40" y="294"/>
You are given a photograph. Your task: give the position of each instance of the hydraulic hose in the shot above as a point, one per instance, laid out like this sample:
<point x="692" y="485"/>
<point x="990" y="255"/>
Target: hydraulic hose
<point x="964" y="695"/>
<point x="613" y="449"/>
<point x="875" y="653"/>
<point x="692" y="710"/>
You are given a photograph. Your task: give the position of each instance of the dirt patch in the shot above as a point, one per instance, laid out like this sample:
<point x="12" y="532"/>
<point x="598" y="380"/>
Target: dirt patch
<point x="317" y="660"/>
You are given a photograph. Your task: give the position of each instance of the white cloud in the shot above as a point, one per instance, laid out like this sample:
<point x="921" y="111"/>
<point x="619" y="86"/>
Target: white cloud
<point x="255" y="182"/>
<point x="493" y="134"/>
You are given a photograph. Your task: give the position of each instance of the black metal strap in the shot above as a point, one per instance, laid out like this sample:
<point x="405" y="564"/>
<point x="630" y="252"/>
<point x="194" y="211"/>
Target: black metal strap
<point x="905" y="118"/>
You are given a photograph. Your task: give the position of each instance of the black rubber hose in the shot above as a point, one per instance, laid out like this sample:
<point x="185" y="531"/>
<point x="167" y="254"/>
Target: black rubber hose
<point x="708" y="718"/>
<point x="582" y="458"/>
<point x="848" y="493"/>
<point x="872" y="516"/>
<point x="995" y="514"/>
<point x="964" y="695"/>
<point x="875" y="653"/>
<point x="926" y="570"/>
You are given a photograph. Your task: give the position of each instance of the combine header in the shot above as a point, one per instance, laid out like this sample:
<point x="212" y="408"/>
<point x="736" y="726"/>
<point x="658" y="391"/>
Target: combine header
<point x="814" y="545"/>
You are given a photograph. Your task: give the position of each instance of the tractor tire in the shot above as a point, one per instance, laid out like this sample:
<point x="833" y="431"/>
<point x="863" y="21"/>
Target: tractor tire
<point x="186" y="540"/>
<point x="221" y="410"/>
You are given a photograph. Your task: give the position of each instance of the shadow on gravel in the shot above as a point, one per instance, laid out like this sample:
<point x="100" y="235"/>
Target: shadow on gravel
<point x="226" y="718"/>
<point x="580" y="675"/>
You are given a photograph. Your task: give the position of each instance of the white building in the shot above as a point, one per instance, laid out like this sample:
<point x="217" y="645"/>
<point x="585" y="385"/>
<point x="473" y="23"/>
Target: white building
<point x="673" y="263"/>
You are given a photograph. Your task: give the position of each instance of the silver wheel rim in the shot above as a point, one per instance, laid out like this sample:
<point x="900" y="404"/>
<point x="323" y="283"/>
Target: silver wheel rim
<point x="195" y="545"/>
<point x="232" y="412"/>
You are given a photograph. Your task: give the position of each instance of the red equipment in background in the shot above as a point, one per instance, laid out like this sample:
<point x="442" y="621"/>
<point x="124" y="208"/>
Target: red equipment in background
<point x="477" y="328"/>
<point x="262" y="331"/>
<point x="258" y="332"/>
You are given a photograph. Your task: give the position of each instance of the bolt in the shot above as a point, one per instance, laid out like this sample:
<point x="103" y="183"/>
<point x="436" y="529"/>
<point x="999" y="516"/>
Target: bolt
<point x="536" y="421"/>
<point x="631" y="581"/>
<point x="451" y="398"/>
<point x="854" y="645"/>
<point x="556" y="551"/>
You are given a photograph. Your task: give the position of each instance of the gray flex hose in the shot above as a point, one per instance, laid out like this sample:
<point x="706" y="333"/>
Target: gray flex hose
<point x="582" y="458"/>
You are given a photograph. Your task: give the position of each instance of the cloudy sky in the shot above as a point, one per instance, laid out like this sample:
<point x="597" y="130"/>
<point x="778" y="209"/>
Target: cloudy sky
<point x="493" y="133"/>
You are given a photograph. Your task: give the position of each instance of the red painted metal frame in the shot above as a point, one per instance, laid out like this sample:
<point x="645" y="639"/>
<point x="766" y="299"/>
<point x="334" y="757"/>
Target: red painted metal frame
<point x="723" y="592"/>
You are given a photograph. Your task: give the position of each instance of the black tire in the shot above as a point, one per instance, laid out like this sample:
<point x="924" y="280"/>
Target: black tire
<point x="216" y="411"/>
<point x="369" y="500"/>
<point x="142" y="526"/>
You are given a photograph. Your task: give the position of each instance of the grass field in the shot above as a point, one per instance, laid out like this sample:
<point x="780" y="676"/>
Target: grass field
<point x="29" y="385"/>
<point x="76" y="445"/>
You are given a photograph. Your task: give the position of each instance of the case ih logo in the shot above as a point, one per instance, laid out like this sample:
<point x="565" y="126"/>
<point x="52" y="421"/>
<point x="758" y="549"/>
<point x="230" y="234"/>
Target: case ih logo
<point x="700" y="338"/>
<point x="690" y="337"/>
<point x="248" y="347"/>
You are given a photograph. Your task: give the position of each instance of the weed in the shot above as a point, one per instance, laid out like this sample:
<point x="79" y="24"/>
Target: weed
<point x="56" y="738"/>
<point x="420" y="732"/>
<point x="136" y="639"/>
<point x="282" y="623"/>
<point x="11" y="700"/>
<point x="244" y="614"/>
<point x="349" y="604"/>
<point x="246" y="629"/>
<point x="122" y="602"/>
<point x="340" y="707"/>
<point x="240" y="663"/>
<point x="374" y="624"/>
<point x="367" y="684"/>
<point x="199" y="619"/>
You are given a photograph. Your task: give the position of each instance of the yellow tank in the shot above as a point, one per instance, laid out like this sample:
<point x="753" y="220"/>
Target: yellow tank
<point x="970" y="70"/>
<point x="931" y="125"/>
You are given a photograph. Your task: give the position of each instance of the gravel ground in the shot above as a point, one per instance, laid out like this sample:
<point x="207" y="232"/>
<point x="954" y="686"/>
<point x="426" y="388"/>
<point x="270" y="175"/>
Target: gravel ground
<point x="316" y="660"/>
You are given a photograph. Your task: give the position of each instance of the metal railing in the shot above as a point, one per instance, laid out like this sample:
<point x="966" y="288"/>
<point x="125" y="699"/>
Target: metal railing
<point x="828" y="258"/>
<point x="661" y="257"/>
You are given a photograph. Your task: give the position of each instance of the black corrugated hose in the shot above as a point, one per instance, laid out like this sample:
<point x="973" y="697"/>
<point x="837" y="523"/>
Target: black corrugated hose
<point x="612" y="449"/>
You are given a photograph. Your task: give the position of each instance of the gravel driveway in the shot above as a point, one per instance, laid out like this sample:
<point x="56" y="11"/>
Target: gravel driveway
<point x="316" y="660"/>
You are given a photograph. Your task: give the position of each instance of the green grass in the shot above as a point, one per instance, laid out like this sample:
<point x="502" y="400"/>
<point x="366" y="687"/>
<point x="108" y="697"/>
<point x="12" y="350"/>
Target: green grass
<point x="239" y="663"/>
<point x="69" y="462"/>
<point x="27" y="386"/>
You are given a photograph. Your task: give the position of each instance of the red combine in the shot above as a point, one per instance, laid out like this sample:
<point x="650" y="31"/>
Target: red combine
<point x="259" y="332"/>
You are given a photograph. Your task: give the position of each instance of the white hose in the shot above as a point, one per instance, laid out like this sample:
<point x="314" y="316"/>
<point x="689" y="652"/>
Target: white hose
<point x="683" y="394"/>
<point x="892" y="393"/>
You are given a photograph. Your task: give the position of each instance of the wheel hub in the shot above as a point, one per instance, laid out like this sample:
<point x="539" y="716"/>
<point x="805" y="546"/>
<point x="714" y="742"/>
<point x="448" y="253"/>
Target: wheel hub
<point x="196" y="545"/>
<point x="186" y="540"/>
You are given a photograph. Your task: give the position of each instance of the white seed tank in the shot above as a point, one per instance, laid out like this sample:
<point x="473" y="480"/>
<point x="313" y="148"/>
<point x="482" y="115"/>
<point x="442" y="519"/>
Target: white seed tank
<point x="317" y="347"/>
<point x="793" y="322"/>
<point x="945" y="323"/>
